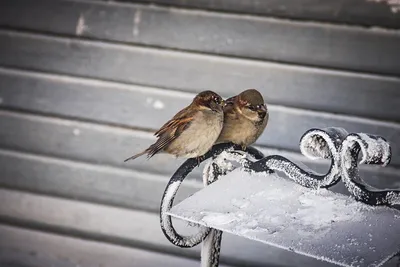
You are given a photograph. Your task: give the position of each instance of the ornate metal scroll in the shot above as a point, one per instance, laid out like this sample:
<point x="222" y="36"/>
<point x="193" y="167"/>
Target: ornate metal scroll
<point x="375" y="150"/>
<point x="314" y="144"/>
<point x="331" y="143"/>
<point x="172" y="188"/>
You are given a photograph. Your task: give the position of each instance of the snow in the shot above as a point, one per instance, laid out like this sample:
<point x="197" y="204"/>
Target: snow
<point x="76" y="131"/>
<point x="210" y="249"/>
<point x="158" y="104"/>
<point x="227" y="161"/>
<point x="81" y="27"/>
<point x="166" y="222"/>
<point x="218" y="218"/>
<point x="279" y="212"/>
<point x="170" y="194"/>
<point x="393" y="4"/>
<point x="315" y="146"/>
<point x="155" y="103"/>
<point x="375" y="150"/>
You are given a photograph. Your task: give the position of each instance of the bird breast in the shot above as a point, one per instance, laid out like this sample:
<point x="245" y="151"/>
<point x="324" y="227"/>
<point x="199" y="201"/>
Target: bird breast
<point x="240" y="130"/>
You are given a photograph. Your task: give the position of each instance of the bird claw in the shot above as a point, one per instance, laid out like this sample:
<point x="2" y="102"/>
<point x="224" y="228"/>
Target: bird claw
<point x="199" y="160"/>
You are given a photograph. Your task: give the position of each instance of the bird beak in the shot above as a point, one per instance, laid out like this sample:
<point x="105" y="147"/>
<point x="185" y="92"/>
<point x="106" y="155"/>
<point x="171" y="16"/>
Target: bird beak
<point x="263" y="109"/>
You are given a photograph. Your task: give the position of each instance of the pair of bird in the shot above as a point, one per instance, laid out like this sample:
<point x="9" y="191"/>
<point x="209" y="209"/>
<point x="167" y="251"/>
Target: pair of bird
<point x="210" y="120"/>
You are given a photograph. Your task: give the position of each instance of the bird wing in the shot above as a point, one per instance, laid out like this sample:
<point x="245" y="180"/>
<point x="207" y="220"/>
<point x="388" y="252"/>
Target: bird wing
<point x="171" y="130"/>
<point x="183" y="117"/>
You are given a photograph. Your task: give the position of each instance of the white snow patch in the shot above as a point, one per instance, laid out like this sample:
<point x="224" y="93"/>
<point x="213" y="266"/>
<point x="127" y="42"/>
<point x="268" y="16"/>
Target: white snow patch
<point x="76" y="132"/>
<point x="171" y="192"/>
<point x="314" y="145"/>
<point x="218" y="218"/>
<point x="240" y="203"/>
<point x="279" y="212"/>
<point x="393" y="4"/>
<point x="158" y="104"/>
<point x="81" y="26"/>
<point x="373" y="148"/>
<point x="225" y="161"/>
<point x="155" y="103"/>
<point x="208" y="248"/>
<point x="278" y="204"/>
<point x="136" y="21"/>
<point x="385" y="146"/>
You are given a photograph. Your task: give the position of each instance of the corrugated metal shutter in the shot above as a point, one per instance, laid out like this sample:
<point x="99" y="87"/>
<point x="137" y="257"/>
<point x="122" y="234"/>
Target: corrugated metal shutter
<point x="84" y="84"/>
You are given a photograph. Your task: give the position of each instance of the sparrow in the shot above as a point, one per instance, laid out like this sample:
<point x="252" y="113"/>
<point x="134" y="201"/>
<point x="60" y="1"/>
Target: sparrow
<point x="245" y="118"/>
<point x="192" y="131"/>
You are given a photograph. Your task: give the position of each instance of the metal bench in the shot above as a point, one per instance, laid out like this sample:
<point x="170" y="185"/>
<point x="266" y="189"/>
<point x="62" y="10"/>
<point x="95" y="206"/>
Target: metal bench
<point x="294" y="211"/>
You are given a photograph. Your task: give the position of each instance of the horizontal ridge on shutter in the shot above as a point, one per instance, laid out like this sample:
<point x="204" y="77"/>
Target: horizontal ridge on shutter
<point x="300" y="43"/>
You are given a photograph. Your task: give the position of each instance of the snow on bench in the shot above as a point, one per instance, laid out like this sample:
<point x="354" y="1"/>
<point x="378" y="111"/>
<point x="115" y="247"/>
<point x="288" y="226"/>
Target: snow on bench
<point x="318" y="223"/>
<point x="245" y="196"/>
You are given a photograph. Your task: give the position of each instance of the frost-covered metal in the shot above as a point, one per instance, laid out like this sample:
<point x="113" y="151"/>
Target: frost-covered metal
<point x="374" y="150"/>
<point x="331" y="143"/>
<point x="172" y="188"/>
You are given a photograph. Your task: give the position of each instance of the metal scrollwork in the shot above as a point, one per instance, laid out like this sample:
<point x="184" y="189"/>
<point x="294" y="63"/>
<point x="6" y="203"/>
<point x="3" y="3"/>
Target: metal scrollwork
<point x="375" y="150"/>
<point x="314" y="144"/>
<point x="335" y="144"/>
<point x="172" y="188"/>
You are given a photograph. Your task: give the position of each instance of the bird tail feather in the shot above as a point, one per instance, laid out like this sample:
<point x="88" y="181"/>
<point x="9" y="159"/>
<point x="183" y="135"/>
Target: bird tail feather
<point x="137" y="155"/>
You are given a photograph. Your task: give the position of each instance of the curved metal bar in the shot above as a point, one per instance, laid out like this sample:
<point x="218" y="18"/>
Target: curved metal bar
<point x="166" y="204"/>
<point x="214" y="170"/>
<point x="314" y="144"/>
<point x="211" y="248"/>
<point x="375" y="150"/>
<point x="172" y="188"/>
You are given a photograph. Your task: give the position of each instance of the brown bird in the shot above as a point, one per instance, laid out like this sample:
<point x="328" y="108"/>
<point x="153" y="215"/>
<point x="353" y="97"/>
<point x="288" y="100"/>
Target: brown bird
<point x="245" y="118"/>
<point x="192" y="131"/>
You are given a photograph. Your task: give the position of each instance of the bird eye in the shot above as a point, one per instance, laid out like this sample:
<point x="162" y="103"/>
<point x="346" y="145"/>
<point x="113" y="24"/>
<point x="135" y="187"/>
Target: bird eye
<point x="216" y="99"/>
<point x="252" y="108"/>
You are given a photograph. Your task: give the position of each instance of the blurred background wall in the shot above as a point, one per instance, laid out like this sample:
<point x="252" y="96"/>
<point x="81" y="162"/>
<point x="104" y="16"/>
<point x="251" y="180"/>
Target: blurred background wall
<point x="84" y="84"/>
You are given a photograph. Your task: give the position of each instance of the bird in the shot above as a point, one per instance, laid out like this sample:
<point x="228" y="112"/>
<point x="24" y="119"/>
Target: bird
<point x="192" y="131"/>
<point x="245" y="118"/>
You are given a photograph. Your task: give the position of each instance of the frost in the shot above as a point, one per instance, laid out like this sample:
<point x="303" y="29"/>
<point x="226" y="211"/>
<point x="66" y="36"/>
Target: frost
<point x="211" y="247"/>
<point x="166" y="223"/>
<point x="374" y="150"/>
<point x="225" y="161"/>
<point x="314" y="144"/>
<point x="322" y="144"/>
<point x="276" y="211"/>
<point x="136" y="21"/>
<point x="385" y="151"/>
<point x="81" y="26"/>
<point x="156" y="104"/>
<point x="393" y="4"/>
<point x="240" y="203"/>
<point x="314" y="147"/>
<point x="218" y="218"/>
